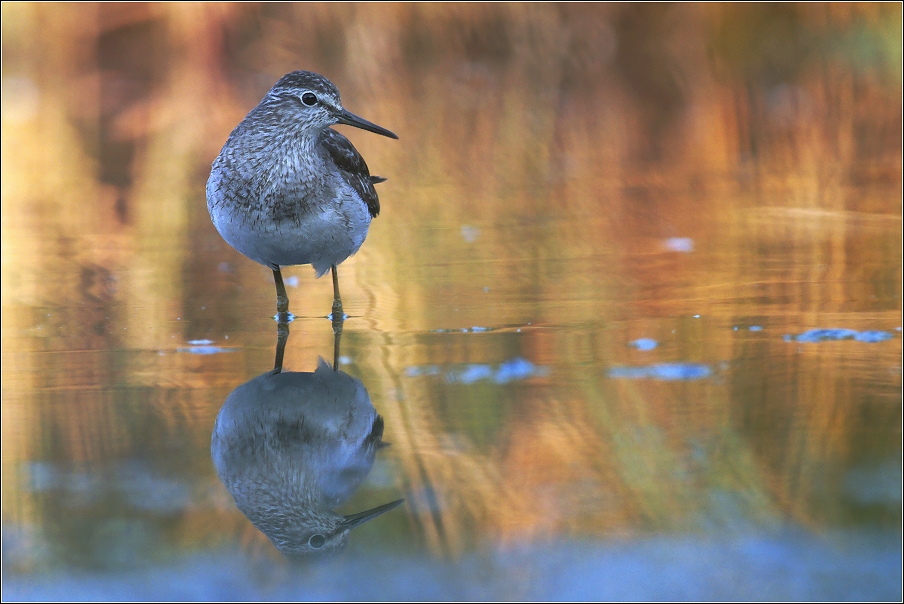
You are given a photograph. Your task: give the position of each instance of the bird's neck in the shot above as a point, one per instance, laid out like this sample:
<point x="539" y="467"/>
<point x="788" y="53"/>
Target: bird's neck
<point x="301" y="141"/>
<point x="292" y="155"/>
<point x="284" y="131"/>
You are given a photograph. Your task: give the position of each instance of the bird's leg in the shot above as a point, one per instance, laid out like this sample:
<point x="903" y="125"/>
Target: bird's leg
<point x="337" y="300"/>
<point x="338" y="318"/>
<point x="337" y="334"/>
<point x="282" y="336"/>
<point x="282" y="320"/>
<point x="282" y="299"/>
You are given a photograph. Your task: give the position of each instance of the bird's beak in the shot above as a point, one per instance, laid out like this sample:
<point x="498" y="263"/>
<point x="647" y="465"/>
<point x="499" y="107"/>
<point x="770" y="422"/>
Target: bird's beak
<point x="353" y="520"/>
<point x="350" y="119"/>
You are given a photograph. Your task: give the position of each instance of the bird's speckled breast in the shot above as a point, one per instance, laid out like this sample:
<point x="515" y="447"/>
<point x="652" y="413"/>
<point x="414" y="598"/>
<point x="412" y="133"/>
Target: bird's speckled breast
<point x="288" y="212"/>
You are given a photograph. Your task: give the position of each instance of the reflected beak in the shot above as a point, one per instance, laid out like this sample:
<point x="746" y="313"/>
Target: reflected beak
<point x="350" y="119"/>
<point x="353" y="520"/>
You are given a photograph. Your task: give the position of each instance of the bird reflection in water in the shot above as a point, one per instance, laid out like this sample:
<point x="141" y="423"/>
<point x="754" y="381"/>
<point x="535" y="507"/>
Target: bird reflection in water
<point x="291" y="446"/>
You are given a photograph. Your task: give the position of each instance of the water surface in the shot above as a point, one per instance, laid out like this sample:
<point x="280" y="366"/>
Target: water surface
<point x="631" y="312"/>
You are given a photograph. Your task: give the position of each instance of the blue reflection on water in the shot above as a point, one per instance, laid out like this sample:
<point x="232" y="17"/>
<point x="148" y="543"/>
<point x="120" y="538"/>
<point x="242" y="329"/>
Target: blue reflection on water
<point x="83" y="485"/>
<point x="644" y="343"/>
<point x="875" y="485"/>
<point x="474" y="329"/>
<point x="823" y="335"/>
<point x="680" y="244"/>
<point x="515" y="369"/>
<point x="205" y="349"/>
<point x="793" y="566"/>
<point x="662" y="371"/>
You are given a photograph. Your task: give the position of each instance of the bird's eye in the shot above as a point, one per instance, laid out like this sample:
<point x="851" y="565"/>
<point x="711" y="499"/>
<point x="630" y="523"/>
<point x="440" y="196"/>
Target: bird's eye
<point x="317" y="541"/>
<point x="310" y="100"/>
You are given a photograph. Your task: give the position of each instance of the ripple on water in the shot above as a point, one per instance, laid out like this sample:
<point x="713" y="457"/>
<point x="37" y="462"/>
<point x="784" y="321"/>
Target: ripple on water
<point x="662" y="371"/>
<point x="824" y="335"/>
<point x="515" y="369"/>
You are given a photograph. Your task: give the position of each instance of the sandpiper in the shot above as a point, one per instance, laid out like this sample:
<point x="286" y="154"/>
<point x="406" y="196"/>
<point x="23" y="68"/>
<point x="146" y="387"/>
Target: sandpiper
<point x="287" y="189"/>
<point x="290" y="447"/>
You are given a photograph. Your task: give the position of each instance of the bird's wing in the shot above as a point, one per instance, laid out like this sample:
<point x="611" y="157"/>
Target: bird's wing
<point x="353" y="168"/>
<point x="375" y="438"/>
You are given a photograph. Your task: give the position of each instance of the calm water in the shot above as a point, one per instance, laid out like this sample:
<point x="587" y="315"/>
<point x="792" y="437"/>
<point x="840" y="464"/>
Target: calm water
<point x="631" y="312"/>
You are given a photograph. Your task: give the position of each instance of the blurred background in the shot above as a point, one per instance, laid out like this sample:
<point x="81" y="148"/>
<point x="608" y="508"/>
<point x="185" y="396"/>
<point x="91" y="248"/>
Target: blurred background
<point x="631" y="311"/>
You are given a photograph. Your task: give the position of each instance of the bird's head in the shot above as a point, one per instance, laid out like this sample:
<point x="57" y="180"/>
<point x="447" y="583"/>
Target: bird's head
<point x="326" y="533"/>
<point x="313" y="102"/>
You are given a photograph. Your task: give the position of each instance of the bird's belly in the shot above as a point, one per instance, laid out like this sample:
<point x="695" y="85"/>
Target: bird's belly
<point x="321" y="237"/>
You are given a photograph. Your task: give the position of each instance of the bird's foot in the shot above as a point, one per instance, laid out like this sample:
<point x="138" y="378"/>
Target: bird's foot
<point x="337" y="314"/>
<point x="337" y="317"/>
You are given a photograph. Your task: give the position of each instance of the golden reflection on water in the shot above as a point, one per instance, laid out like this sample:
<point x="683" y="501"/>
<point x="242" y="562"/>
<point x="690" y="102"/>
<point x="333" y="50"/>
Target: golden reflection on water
<point x="551" y="158"/>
